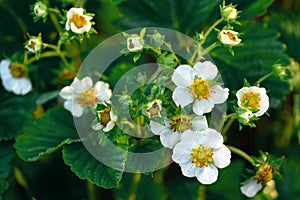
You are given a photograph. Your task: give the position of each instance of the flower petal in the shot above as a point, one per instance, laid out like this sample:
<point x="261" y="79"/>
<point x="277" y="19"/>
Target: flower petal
<point x="202" y="106"/>
<point x="67" y="93"/>
<point x="74" y="108"/>
<point x="206" y="70"/>
<point x="222" y="157"/>
<point x="251" y="188"/>
<point x="188" y="169"/>
<point x="82" y="85"/>
<point x="21" y="86"/>
<point x="219" y="94"/>
<point x="199" y="123"/>
<point x="169" y="139"/>
<point x="109" y="126"/>
<point x="181" y="96"/>
<point x="156" y="127"/>
<point x="183" y="76"/>
<point x="213" y="139"/>
<point x="4" y="69"/>
<point x="207" y="175"/>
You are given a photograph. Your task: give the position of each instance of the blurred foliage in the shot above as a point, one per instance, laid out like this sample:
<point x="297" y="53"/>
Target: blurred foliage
<point x="271" y="36"/>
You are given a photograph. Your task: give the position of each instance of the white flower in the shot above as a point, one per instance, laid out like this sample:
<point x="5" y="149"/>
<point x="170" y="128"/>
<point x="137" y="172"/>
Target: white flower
<point x="40" y="9"/>
<point x="199" y="153"/>
<point x="251" y="188"/>
<point x="107" y="120"/>
<point x="135" y="43"/>
<point x="34" y="44"/>
<point x="253" y="98"/>
<point x="14" y="77"/>
<point x="196" y="85"/>
<point x="170" y="133"/>
<point x="81" y="94"/>
<point x="230" y="13"/>
<point x="229" y="37"/>
<point x="77" y="21"/>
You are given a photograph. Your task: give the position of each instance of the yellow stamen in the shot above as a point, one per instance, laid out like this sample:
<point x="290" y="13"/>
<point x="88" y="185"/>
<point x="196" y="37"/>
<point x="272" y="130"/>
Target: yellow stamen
<point x="200" y="89"/>
<point x="202" y="156"/>
<point x="104" y="116"/>
<point x="265" y="174"/>
<point x="18" y="71"/>
<point x="78" y="20"/>
<point x="251" y="100"/>
<point x="87" y="99"/>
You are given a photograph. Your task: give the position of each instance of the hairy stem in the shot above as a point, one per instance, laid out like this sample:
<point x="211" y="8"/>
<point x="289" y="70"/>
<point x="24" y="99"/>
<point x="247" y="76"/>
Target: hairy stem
<point x="263" y="78"/>
<point x="91" y="191"/>
<point x="210" y="29"/>
<point x="134" y="186"/>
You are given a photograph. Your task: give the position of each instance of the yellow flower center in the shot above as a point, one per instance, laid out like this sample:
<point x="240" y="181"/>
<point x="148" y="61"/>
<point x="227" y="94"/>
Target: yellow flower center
<point x="181" y="124"/>
<point x="202" y="156"/>
<point x="200" y="89"/>
<point x="87" y="99"/>
<point x="32" y="45"/>
<point x="251" y="100"/>
<point x="78" y="20"/>
<point x="265" y="174"/>
<point x="18" y="71"/>
<point x="104" y="116"/>
<point x="231" y="36"/>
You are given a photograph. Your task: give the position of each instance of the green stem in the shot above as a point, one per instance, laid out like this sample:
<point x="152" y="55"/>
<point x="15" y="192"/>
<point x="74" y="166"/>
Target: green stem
<point x="91" y="191"/>
<point x="45" y="55"/>
<point x="50" y="46"/>
<point x="134" y="186"/>
<point x="229" y="123"/>
<point x="202" y="192"/>
<point x="53" y="18"/>
<point x="210" y="29"/>
<point x="56" y="11"/>
<point x="263" y="78"/>
<point x="206" y="51"/>
<point x="241" y="153"/>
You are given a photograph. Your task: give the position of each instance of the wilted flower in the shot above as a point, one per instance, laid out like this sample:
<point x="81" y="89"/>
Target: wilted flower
<point x="154" y="108"/>
<point x="200" y="153"/>
<point x="77" y="21"/>
<point x="170" y="132"/>
<point x="14" y="77"/>
<point x="40" y="9"/>
<point x="135" y="43"/>
<point x="34" y="44"/>
<point x="229" y="37"/>
<point x="81" y="94"/>
<point x="254" y="99"/>
<point x="196" y="85"/>
<point x="107" y="120"/>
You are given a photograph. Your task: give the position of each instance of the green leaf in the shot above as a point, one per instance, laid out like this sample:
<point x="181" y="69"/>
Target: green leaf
<point x="180" y="15"/>
<point x="15" y="111"/>
<point x="6" y="154"/>
<point x="46" y="135"/>
<point x="85" y="166"/>
<point x="45" y="97"/>
<point x="115" y="2"/>
<point x="255" y="59"/>
<point x="3" y="186"/>
<point x="255" y="9"/>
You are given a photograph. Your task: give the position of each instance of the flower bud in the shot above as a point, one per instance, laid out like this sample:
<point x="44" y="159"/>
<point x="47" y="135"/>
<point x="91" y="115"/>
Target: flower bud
<point x="229" y="13"/>
<point x="135" y="43"/>
<point x="34" y="44"/>
<point x="40" y="9"/>
<point x="229" y="37"/>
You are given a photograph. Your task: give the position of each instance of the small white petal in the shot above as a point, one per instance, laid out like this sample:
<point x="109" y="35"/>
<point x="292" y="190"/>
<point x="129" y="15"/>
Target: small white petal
<point x="97" y="127"/>
<point x="188" y="169"/>
<point x="169" y="139"/>
<point x="219" y="94"/>
<point x="21" y="86"/>
<point x="182" y="96"/>
<point x="206" y="70"/>
<point x="82" y="85"/>
<point x="183" y="76"/>
<point x="213" y="139"/>
<point x="67" y="93"/>
<point x="203" y="106"/>
<point x="109" y="126"/>
<point x="222" y="157"/>
<point x="251" y="188"/>
<point x="156" y="127"/>
<point x="207" y="175"/>
<point x="74" y="108"/>
<point x="4" y="69"/>
<point x="199" y="123"/>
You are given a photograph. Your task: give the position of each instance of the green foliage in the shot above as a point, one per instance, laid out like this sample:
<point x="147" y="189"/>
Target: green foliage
<point x="255" y="9"/>
<point x="46" y="135"/>
<point x="6" y="154"/>
<point x="85" y="166"/>
<point x="12" y="106"/>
